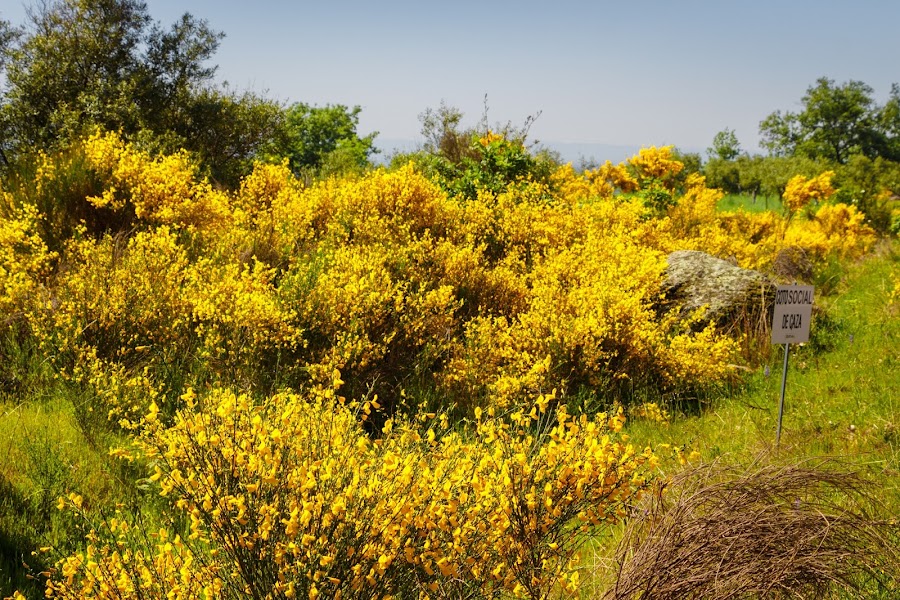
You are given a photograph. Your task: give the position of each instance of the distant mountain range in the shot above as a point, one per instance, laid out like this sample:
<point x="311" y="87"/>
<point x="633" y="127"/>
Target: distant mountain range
<point x="577" y="153"/>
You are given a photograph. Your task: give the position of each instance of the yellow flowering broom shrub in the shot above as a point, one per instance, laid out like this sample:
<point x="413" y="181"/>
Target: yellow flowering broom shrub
<point x="288" y="497"/>
<point x="602" y="182"/>
<point x="589" y="320"/>
<point x="754" y="240"/>
<point x="481" y="299"/>
<point x="655" y="163"/>
<point x="800" y="190"/>
<point x="120" y="296"/>
<point x="54" y="188"/>
<point x="162" y="190"/>
<point x="271" y="223"/>
<point x="25" y="260"/>
<point x="130" y="314"/>
<point x="833" y="230"/>
<point x="238" y="318"/>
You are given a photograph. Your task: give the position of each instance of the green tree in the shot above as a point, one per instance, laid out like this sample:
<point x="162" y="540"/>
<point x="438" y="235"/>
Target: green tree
<point x="873" y="185"/>
<point x="836" y="121"/>
<point x="227" y="131"/>
<point x="79" y="64"/>
<point x="889" y="121"/>
<point x="774" y="172"/>
<point x="723" y="174"/>
<point x="465" y="161"/>
<point x="693" y="163"/>
<point x="8" y="37"/>
<point x="324" y="139"/>
<point x="780" y="133"/>
<point x="175" y="67"/>
<point x="82" y="64"/>
<point x="750" y="174"/>
<point x="725" y="145"/>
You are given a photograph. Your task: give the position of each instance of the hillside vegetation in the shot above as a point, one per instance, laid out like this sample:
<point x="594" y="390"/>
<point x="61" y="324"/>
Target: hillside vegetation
<point x="239" y="360"/>
<point x="365" y="383"/>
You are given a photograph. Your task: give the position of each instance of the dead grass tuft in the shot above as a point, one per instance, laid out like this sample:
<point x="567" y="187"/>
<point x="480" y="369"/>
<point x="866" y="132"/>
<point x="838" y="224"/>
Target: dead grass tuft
<point x="770" y="531"/>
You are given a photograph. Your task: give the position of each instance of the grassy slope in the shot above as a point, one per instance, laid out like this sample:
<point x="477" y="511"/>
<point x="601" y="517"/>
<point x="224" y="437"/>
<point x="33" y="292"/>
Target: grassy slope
<point x="843" y="390"/>
<point x="843" y="400"/>
<point x="44" y="455"/>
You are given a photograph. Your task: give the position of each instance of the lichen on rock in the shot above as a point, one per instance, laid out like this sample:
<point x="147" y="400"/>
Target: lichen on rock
<point x="727" y="293"/>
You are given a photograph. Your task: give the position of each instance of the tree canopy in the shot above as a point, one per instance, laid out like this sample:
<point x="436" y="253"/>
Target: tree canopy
<point x="835" y="122"/>
<point x="725" y="145"/>
<point x="101" y="62"/>
<point x="82" y="64"/>
<point x="324" y="139"/>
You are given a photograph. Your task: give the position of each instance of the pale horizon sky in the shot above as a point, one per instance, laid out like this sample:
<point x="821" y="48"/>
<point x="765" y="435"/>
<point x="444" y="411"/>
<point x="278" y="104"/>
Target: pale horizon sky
<point x="616" y="73"/>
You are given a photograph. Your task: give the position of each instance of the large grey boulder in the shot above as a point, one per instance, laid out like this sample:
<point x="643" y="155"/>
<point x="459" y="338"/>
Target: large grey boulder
<point x="729" y="295"/>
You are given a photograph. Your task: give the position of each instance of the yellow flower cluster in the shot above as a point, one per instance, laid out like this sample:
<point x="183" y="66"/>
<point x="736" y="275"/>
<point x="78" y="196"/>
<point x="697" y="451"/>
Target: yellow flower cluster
<point x="124" y="561"/>
<point x="695" y="206"/>
<point x="835" y="229"/>
<point x="602" y="182"/>
<point x="491" y="137"/>
<point x="127" y="312"/>
<point x="24" y="257"/>
<point x="656" y="163"/>
<point x="236" y="313"/>
<point x="590" y="316"/>
<point x="752" y="239"/>
<point x="390" y="271"/>
<point x="162" y="190"/>
<point x="801" y="190"/>
<point x="290" y="498"/>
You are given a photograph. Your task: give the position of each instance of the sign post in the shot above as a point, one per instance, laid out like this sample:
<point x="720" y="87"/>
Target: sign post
<point x="790" y="325"/>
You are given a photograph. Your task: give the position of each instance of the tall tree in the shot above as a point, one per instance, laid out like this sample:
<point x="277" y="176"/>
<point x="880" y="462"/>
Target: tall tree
<point x="227" y="131"/>
<point x="779" y="133"/>
<point x="175" y="67"/>
<point x="889" y="121"/>
<point x="725" y="145"/>
<point x="81" y="64"/>
<point x="317" y="139"/>
<point x="8" y="37"/>
<point x="723" y="174"/>
<point x="836" y="121"/>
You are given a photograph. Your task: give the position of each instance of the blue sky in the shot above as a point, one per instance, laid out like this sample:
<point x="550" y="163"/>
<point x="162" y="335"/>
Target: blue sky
<point x="618" y="73"/>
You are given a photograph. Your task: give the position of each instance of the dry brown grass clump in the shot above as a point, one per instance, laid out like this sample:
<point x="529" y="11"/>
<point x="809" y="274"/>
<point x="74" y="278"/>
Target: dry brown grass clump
<point x="770" y="531"/>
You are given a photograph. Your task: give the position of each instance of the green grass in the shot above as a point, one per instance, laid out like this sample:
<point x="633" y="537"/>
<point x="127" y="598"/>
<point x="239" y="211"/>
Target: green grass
<point x="44" y="454"/>
<point x="843" y="387"/>
<point x="842" y="399"/>
<point x="733" y="202"/>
